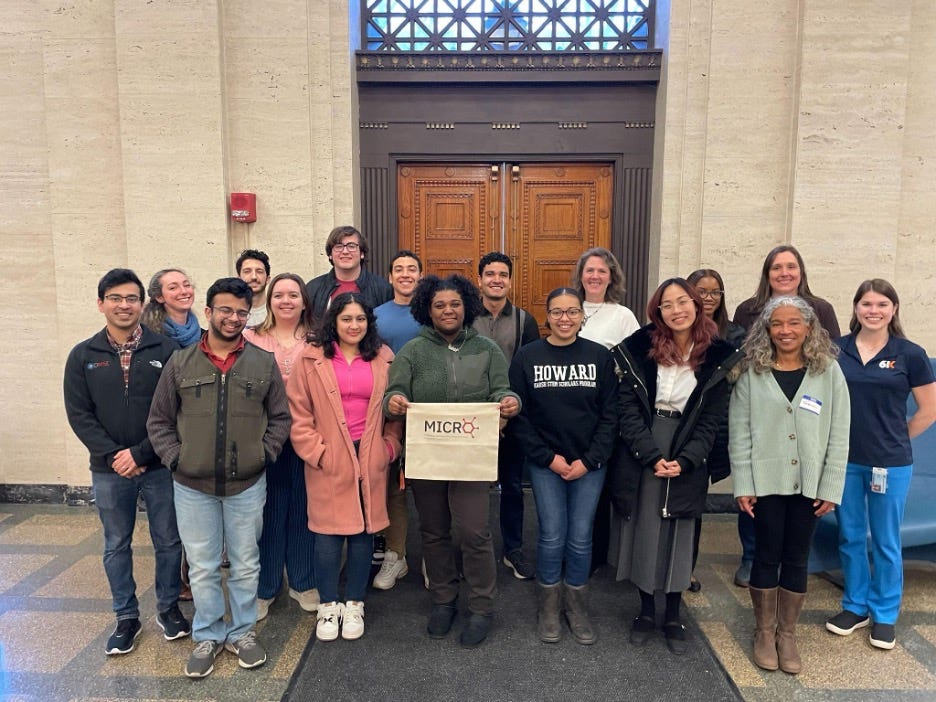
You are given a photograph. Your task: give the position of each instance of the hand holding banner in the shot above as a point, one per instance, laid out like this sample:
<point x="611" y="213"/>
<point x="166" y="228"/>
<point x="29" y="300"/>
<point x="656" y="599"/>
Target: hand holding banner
<point x="452" y="440"/>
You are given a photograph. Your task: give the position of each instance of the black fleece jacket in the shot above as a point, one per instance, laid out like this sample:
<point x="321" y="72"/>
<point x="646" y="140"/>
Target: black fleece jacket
<point x="104" y="415"/>
<point x="704" y="413"/>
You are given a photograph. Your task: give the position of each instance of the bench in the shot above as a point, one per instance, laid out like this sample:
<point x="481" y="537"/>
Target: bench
<point x="918" y="530"/>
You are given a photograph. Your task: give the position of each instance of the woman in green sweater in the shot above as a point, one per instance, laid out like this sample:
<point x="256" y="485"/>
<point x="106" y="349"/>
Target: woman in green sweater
<point x="788" y="441"/>
<point x="449" y="362"/>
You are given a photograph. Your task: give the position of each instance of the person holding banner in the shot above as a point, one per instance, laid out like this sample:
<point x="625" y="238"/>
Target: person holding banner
<point x="567" y="427"/>
<point x="338" y="429"/>
<point x="449" y="362"/>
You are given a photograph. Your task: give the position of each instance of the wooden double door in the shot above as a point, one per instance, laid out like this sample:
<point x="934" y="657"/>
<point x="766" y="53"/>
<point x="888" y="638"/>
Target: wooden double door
<point x="542" y="215"/>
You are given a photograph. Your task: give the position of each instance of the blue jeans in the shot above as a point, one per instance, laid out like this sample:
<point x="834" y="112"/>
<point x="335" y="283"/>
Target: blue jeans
<point x="286" y="539"/>
<point x="877" y="594"/>
<point x="328" y="565"/>
<point x="566" y="512"/>
<point x="206" y="522"/>
<point x="116" y="500"/>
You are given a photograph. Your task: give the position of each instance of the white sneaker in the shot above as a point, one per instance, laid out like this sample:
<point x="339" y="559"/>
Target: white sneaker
<point x="328" y="621"/>
<point x="352" y="620"/>
<point x="263" y="607"/>
<point x="307" y="599"/>
<point x="393" y="569"/>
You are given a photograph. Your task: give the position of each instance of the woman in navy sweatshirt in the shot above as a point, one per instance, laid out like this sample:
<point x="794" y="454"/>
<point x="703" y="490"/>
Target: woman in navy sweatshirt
<point x="567" y="425"/>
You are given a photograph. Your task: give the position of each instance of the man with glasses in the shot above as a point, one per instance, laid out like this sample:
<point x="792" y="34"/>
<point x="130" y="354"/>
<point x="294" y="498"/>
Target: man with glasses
<point x="219" y="417"/>
<point x="109" y="384"/>
<point x="347" y="249"/>
<point x="510" y="328"/>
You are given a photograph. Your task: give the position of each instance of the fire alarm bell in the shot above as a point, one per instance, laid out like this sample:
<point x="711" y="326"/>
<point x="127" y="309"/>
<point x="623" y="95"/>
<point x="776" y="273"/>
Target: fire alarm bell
<point x="244" y="207"/>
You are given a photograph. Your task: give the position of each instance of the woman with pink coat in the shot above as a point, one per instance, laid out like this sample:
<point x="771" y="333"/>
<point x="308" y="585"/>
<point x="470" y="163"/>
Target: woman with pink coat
<point x="338" y="429"/>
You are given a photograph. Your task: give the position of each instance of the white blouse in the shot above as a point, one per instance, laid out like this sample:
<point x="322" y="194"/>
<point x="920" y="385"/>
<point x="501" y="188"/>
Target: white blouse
<point x="674" y="386"/>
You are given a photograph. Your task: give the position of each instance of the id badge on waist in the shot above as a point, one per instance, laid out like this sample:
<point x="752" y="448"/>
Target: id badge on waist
<point x="879" y="480"/>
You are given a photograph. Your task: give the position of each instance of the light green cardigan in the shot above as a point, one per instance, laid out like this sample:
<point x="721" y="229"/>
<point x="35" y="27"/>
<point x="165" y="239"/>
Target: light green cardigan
<point x="779" y="448"/>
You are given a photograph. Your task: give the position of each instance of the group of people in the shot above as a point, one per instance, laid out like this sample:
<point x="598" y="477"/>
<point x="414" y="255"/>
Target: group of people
<point x="272" y="442"/>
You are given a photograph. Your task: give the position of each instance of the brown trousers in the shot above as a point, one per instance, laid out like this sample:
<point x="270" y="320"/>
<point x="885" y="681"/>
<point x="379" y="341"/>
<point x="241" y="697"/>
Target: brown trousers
<point x="464" y="505"/>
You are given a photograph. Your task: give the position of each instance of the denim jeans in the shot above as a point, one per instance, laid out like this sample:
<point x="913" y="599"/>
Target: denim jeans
<point x="877" y="594"/>
<point x="328" y="565"/>
<point x="116" y="500"/>
<point x="206" y="523"/>
<point x="566" y="512"/>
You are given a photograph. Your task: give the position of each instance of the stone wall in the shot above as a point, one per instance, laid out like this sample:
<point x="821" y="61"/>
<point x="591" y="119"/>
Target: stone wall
<point x="123" y="127"/>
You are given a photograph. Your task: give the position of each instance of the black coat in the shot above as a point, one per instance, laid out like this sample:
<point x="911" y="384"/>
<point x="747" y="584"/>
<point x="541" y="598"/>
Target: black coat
<point x="104" y="415"/>
<point x="705" y="412"/>
<point x="374" y="290"/>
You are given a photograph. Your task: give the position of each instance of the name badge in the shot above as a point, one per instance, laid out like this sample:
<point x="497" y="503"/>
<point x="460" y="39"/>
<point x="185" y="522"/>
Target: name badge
<point x="811" y="404"/>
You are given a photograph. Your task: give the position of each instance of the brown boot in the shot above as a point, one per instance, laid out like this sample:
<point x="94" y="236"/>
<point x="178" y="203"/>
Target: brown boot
<point x="789" y="606"/>
<point x="765" y="635"/>
<point x="547" y="618"/>
<point x="577" y="615"/>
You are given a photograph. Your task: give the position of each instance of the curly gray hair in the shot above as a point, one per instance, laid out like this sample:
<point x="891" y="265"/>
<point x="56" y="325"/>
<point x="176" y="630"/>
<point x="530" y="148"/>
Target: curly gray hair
<point x="818" y="350"/>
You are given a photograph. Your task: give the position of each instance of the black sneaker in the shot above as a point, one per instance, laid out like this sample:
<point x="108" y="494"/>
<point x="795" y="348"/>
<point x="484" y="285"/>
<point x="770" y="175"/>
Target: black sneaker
<point x="521" y="567"/>
<point x="380" y="548"/>
<point x="845" y="623"/>
<point x="883" y="636"/>
<point x="123" y="638"/>
<point x="173" y="623"/>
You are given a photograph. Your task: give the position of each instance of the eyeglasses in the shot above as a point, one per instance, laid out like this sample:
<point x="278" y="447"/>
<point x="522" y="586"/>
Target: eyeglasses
<point x="118" y="299"/>
<point x="230" y="312"/>
<point x="572" y="313"/>
<point x="714" y="294"/>
<point x="681" y="304"/>
<point x="350" y="246"/>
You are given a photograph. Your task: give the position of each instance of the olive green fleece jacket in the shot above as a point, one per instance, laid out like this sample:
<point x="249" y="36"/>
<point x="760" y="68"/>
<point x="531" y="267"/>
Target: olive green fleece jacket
<point x="426" y="370"/>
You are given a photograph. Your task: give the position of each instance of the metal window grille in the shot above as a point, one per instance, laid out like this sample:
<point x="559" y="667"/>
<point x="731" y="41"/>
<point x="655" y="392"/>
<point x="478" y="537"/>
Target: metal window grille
<point x="507" y="25"/>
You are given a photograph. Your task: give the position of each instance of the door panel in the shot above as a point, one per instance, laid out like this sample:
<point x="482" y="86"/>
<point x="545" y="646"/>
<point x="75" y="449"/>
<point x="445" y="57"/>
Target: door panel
<point x="446" y="215"/>
<point x="563" y="210"/>
<point x="450" y="214"/>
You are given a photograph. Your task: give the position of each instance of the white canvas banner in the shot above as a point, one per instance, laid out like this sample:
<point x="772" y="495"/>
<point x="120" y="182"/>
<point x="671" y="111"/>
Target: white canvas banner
<point x="452" y="440"/>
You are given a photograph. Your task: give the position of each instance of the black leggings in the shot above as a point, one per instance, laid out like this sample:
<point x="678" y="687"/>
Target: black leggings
<point x="783" y="530"/>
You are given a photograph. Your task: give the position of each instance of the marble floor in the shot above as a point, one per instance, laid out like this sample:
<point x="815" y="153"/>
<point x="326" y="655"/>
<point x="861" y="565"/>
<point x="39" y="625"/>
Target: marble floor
<point x="55" y="618"/>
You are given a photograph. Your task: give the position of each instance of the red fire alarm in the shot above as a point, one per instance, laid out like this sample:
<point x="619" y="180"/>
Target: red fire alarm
<point x="244" y="207"/>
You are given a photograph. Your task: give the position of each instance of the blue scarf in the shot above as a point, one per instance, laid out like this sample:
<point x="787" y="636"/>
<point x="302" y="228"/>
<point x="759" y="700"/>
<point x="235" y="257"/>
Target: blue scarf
<point x="183" y="334"/>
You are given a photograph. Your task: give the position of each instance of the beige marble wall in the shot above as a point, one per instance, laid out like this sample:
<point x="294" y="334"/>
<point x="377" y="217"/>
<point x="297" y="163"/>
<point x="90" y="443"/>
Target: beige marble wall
<point x="803" y="122"/>
<point x="123" y="127"/>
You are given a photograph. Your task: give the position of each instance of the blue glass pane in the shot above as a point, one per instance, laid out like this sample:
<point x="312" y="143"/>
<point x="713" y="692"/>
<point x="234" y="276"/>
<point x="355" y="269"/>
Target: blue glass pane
<point x="473" y="25"/>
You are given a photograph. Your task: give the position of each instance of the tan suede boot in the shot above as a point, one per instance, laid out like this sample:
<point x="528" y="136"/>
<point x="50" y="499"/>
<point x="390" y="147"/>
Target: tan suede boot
<point x="547" y="618"/>
<point x="789" y="606"/>
<point x="765" y="635"/>
<point x="577" y="615"/>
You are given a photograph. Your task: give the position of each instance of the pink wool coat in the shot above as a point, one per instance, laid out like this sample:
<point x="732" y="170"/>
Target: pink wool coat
<point x="333" y="473"/>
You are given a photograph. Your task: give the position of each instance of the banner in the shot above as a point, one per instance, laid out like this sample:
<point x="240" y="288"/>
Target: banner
<point x="452" y="440"/>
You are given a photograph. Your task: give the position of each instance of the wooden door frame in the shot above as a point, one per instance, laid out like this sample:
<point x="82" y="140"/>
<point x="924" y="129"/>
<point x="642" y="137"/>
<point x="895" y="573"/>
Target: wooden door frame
<point x="617" y="212"/>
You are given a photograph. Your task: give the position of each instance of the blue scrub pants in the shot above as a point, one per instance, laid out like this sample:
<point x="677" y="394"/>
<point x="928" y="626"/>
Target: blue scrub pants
<point x="878" y="593"/>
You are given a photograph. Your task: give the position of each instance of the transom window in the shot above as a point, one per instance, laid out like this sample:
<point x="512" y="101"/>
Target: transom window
<point x="507" y="25"/>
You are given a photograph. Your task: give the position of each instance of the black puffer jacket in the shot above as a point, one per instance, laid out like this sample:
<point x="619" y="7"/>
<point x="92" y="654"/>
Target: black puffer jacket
<point x="705" y="412"/>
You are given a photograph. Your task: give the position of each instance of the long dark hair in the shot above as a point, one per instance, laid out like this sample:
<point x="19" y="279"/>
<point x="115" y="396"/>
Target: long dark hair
<point x="663" y="348"/>
<point x="881" y="287"/>
<point x="427" y="288"/>
<point x="720" y="317"/>
<point x="327" y="333"/>
<point x="763" y="287"/>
